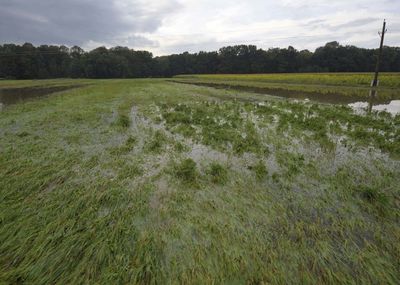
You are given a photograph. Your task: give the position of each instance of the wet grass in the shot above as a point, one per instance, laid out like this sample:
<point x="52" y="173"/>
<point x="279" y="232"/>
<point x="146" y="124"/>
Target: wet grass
<point x="186" y="171"/>
<point x="151" y="182"/>
<point x="123" y="121"/>
<point x="218" y="173"/>
<point x="231" y="126"/>
<point x="156" y="142"/>
<point x="260" y="170"/>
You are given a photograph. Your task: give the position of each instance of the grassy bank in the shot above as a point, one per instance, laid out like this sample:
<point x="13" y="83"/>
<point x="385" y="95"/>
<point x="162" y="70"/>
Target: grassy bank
<point x="153" y="182"/>
<point x="340" y="84"/>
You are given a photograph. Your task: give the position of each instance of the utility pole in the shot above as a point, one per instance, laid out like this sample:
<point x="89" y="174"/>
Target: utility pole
<point x="382" y="35"/>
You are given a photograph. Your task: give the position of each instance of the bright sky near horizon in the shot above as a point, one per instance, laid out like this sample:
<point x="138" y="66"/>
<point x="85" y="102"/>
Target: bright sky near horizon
<point x="175" y="26"/>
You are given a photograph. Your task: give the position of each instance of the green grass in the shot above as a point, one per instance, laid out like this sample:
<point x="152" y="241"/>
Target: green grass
<point x="218" y="173"/>
<point x="186" y="171"/>
<point x="260" y="170"/>
<point x="153" y="182"/>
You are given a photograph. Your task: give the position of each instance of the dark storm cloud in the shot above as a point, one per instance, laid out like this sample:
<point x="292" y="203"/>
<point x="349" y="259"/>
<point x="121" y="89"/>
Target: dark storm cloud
<point x="79" y="21"/>
<point x="170" y="26"/>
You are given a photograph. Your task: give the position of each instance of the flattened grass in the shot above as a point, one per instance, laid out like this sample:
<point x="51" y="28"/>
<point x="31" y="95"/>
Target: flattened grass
<point x="282" y="192"/>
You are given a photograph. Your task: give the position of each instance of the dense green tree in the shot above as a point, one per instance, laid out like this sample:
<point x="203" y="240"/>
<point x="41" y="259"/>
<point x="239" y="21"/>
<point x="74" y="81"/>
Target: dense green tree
<point x="27" y="61"/>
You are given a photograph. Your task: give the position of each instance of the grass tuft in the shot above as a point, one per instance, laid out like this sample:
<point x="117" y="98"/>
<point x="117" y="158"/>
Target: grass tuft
<point x="130" y="171"/>
<point x="123" y="121"/>
<point x="260" y="170"/>
<point x="156" y="142"/>
<point x="375" y="197"/>
<point x="124" y="148"/>
<point x="218" y="173"/>
<point x="186" y="171"/>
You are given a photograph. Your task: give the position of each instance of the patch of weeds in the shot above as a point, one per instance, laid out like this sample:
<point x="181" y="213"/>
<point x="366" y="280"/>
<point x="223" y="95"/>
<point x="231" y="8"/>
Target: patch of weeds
<point x="186" y="171"/>
<point x="78" y="118"/>
<point x="73" y="138"/>
<point x="374" y="197"/>
<point x="157" y="142"/>
<point x="180" y="147"/>
<point x="92" y="161"/>
<point x="131" y="141"/>
<point x="321" y="137"/>
<point x="266" y="151"/>
<point x="249" y="141"/>
<point x="186" y="130"/>
<point x="360" y="134"/>
<point x="125" y="148"/>
<point x="315" y="124"/>
<point x="275" y="177"/>
<point x="218" y="173"/>
<point x="22" y="134"/>
<point x="158" y="120"/>
<point x="293" y="162"/>
<point x="217" y="125"/>
<point x="335" y="128"/>
<point x="123" y="121"/>
<point x="392" y="147"/>
<point x="177" y="116"/>
<point x="130" y="171"/>
<point x="260" y="170"/>
<point x="217" y="137"/>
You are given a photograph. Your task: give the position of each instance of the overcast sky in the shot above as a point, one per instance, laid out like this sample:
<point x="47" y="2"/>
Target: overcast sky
<point x="174" y="26"/>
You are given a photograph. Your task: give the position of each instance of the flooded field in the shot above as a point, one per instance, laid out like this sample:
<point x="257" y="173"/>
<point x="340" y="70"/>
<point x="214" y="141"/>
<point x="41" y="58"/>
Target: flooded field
<point x="358" y="103"/>
<point x="290" y="94"/>
<point x="169" y="181"/>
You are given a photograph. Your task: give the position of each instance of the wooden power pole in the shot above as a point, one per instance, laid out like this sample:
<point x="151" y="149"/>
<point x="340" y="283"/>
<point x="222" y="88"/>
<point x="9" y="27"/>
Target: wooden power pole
<point x="378" y="61"/>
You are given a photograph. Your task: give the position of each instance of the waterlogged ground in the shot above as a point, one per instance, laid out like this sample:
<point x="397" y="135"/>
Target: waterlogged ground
<point x="9" y="96"/>
<point x="333" y="88"/>
<point x="148" y="181"/>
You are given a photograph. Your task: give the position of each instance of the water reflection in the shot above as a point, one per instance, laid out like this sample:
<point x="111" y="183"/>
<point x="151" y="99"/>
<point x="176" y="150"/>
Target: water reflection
<point x="392" y="107"/>
<point x="10" y="96"/>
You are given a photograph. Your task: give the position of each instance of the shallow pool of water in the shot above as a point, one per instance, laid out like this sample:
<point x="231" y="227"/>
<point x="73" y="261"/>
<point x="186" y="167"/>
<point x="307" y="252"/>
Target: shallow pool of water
<point x="392" y="107"/>
<point x="10" y="96"/>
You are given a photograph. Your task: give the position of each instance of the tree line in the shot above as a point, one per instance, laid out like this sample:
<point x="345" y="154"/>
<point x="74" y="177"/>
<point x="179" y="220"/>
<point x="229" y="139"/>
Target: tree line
<point x="48" y="61"/>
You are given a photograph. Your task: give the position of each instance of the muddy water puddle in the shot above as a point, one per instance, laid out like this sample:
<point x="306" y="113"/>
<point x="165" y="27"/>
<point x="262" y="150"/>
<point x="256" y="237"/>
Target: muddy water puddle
<point x="9" y="96"/>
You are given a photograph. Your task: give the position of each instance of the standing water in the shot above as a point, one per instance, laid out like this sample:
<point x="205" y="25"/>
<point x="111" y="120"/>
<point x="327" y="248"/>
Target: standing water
<point x="10" y="96"/>
<point x="393" y="107"/>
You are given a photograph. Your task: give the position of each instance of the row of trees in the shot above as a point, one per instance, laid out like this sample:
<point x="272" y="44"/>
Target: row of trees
<point x="27" y="61"/>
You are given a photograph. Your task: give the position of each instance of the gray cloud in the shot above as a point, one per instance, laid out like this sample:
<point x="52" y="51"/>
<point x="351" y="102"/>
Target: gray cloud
<point x="170" y="26"/>
<point x="354" y="23"/>
<point x="80" y="21"/>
